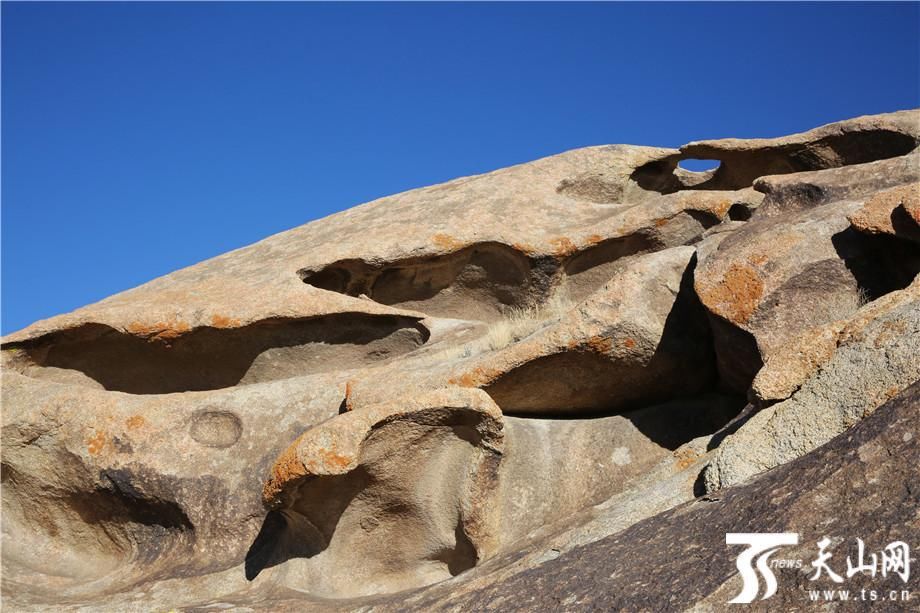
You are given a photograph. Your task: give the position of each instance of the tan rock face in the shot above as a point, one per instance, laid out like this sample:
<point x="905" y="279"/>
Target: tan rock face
<point x="162" y="360"/>
<point x="795" y="267"/>
<point x="639" y="339"/>
<point x="377" y="475"/>
<point x="444" y="389"/>
<point x="895" y="211"/>
<point x="874" y="360"/>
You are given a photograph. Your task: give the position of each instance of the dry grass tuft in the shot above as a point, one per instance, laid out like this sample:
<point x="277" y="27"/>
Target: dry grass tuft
<point x="518" y="323"/>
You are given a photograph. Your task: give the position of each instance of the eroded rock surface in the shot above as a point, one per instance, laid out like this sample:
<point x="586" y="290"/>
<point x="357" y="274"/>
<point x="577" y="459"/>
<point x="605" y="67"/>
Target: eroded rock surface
<point x="872" y="363"/>
<point x="860" y="483"/>
<point x="496" y="392"/>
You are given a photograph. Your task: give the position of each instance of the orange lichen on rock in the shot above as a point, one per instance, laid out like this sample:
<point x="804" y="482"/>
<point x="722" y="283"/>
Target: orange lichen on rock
<point x="684" y="458"/>
<point x="477" y="377"/>
<point x="706" y="203"/>
<point x="876" y="215"/>
<point x="135" y="421"/>
<point x="524" y="247"/>
<point x="562" y="246"/>
<point x="159" y="331"/>
<point x="890" y="330"/>
<point x="467" y="380"/>
<point x="447" y="241"/>
<point x="720" y="207"/>
<point x="222" y="321"/>
<point x="660" y="221"/>
<point x="737" y="295"/>
<point x="348" y="392"/>
<point x="600" y="344"/>
<point x="286" y="468"/>
<point x="911" y="202"/>
<point x="334" y="460"/>
<point x="96" y="443"/>
<point x="594" y="239"/>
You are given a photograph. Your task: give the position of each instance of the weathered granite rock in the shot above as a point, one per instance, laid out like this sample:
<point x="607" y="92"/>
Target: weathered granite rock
<point x="485" y="392"/>
<point x="858" y="485"/>
<point x="640" y="339"/>
<point x="107" y="487"/>
<point x="895" y="211"/>
<point x="377" y="475"/>
<point x="781" y="276"/>
<point x="786" y="371"/>
<point x="873" y="362"/>
<point x="785" y="194"/>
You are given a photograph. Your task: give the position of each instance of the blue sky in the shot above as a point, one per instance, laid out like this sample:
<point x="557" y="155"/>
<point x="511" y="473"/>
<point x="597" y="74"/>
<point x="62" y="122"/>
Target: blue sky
<point x="141" y="138"/>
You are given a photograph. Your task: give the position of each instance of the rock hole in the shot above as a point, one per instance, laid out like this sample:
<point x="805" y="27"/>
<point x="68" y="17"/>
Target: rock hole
<point x="397" y="497"/>
<point x="556" y="467"/>
<point x="591" y="268"/>
<point x="739" y="212"/>
<point x="698" y="165"/>
<point x="739" y="168"/>
<point x="462" y="556"/>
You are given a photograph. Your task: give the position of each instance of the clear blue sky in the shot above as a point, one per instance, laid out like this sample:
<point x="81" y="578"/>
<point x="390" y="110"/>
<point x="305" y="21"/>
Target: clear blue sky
<point x="141" y="138"/>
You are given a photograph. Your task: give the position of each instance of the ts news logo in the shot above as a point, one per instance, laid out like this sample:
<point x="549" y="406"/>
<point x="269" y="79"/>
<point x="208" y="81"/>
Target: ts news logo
<point x="754" y="565"/>
<point x="761" y="545"/>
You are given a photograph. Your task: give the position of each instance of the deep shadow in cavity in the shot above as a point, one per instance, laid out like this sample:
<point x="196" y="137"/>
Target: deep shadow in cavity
<point x="879" y="263"/>
<point x="589" y="382"/>
<point x="284" y="535"/>
<point x="119" y="501"/>
<point x="479" y="282"/>
<point x="212" y="358"/>
<point x="739" y="212"/>
<point x="737" y="357"/>
<point x="288" y="533"/>
<point x="608" y="251"/>
<point x="475" y="282"/>
<point x="678" y="422"/>
<point x="120" y="513"/>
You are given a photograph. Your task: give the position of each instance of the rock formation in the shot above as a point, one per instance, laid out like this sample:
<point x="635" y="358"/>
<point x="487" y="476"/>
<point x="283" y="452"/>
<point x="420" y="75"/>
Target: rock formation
<point x="557" y="384"/>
